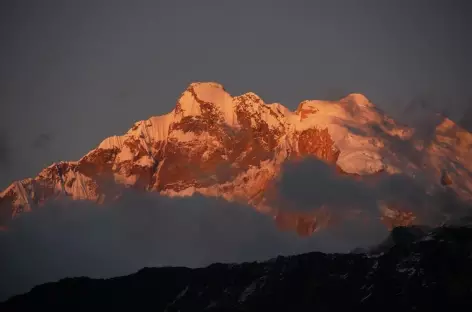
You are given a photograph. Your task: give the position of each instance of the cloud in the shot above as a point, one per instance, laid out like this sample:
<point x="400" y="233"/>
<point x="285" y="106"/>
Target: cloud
<point x="71" y="238"/>
<point x="76" y="238"/>
<point x="310" y="184"/>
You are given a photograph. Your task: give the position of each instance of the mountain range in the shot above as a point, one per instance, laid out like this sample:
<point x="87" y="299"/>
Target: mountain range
<point x="238" y="147"/>
<point x="416" y="269"/>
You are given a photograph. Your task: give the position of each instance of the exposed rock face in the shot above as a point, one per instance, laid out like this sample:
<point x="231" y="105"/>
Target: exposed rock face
<point x="412" y="271"/>
<point x="317" y="143"/>
<point x="233" y="147"/>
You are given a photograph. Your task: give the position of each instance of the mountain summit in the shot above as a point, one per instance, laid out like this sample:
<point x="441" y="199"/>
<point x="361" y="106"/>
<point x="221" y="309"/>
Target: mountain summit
<point x="234" y="147"/>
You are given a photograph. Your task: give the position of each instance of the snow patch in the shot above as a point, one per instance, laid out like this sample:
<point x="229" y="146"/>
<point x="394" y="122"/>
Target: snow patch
<point x="145" y="161"/>
<point x="248" y="292"/>
<point x="125" y="154"/>
<point x="184" y="137"/>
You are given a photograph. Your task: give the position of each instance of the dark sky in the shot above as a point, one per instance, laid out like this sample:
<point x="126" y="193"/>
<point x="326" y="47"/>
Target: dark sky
<point x="75" y="72"/>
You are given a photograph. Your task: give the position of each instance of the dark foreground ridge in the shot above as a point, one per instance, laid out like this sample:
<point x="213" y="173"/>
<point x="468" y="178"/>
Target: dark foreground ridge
<point x="410" y="272"/>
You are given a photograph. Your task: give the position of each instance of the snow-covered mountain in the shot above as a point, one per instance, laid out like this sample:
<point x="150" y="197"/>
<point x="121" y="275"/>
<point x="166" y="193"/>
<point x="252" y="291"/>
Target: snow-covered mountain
<point x="234" y="147"/>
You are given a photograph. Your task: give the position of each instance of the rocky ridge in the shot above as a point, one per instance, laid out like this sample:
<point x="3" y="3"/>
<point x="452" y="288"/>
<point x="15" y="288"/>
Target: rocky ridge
<point x="419" y="270"/>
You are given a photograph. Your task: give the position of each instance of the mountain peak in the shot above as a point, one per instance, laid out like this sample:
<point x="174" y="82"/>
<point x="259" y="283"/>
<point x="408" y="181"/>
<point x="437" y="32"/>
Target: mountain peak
<point x="311" y="106"/>
<point x="206" y="84"/>
<point x="359" y="99"/>
<point x="206" y="99"/>
<point x="251" y="96"/>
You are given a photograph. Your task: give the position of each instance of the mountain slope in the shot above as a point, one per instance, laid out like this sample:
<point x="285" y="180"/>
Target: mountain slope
<point x="419" y="273"/>
<point x="234" y="147"/>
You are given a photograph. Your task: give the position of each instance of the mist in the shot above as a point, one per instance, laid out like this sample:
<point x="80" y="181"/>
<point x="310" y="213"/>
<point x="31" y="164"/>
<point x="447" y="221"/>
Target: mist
<point x="67" y="238"/>
<point x="76" y="238"/>
<point x="309" y="184"/>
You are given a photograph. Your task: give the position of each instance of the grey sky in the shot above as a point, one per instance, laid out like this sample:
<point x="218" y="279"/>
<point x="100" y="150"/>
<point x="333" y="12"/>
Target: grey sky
<point x="75" y="72"/>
